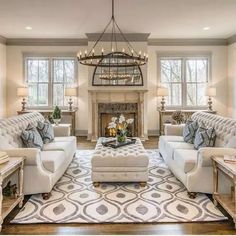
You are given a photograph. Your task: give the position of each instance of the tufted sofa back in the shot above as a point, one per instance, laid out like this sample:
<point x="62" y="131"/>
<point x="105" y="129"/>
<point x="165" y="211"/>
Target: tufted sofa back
<point x="11" y="128"/>
<point x="225" y="127"/>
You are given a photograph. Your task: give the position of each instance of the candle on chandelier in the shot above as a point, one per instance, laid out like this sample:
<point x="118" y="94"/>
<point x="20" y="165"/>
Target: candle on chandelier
<point x="102" y="51"/>
<point x="123" y="50"/>
<point x="140" y="53"/>
<point x="85" y="53"/>
<point x="93" y="52"/>
<point x="132" y="51"/>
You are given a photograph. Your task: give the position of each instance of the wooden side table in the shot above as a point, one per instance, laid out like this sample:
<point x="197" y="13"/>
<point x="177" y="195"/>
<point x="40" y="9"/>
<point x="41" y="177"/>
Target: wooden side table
<point x="227" y="201"/>
<point x="15" y="164"/>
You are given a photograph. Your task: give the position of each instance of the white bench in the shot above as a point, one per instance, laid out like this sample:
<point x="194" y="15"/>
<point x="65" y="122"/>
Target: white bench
<point x="124" y="164"/>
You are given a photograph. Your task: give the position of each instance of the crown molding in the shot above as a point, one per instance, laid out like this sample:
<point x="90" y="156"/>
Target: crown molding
<point x="132" y="37"/>
<point x="47" y="42"/>
<point x="232" y="39"/>
<point x="187" y="42"/>
<point x="3" y="40"/>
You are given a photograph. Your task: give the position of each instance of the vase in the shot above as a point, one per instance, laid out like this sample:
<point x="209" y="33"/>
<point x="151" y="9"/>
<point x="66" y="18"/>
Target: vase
<point x="121" y="138"/>
<point x="56" y="121"/>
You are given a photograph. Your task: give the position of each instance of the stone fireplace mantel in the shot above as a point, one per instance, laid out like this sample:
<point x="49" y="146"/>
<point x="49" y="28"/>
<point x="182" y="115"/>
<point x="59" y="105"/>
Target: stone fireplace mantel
<point x="117" y="95"/>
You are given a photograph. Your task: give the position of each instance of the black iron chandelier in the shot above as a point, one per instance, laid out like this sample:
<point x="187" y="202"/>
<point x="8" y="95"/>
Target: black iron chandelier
<point x="116" y="57"/>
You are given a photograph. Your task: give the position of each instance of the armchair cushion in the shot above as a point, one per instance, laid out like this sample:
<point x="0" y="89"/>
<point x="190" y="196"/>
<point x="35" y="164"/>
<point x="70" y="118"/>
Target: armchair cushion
<point x="174" y="130"/>
<point x="45" y="129"/>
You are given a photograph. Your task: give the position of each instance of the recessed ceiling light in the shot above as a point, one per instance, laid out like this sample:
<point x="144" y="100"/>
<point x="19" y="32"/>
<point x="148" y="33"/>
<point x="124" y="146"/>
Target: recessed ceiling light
<point x="28" y="28"/>
<point x="206" y="28"/>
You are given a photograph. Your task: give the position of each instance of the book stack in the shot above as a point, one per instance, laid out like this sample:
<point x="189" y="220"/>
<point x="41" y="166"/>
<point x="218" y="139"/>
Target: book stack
<point x="3" y="157"/>
<point x="230" y="159"/>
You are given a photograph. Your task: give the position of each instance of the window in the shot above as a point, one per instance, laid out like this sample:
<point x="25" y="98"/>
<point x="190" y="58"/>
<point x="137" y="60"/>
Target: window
<point x="47" y="79"/>
<point x="186" y="79"/>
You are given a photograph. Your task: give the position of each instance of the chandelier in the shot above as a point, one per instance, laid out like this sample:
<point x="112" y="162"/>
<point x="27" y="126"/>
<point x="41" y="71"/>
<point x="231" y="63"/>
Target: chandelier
<point x="116" y="57"/>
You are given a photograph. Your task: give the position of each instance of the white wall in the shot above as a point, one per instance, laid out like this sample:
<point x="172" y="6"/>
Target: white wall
<point x="2" y="80"/>
<point x="232" y="80"/>
<point x="219" y="79"/>
<point x="218" y="76"/>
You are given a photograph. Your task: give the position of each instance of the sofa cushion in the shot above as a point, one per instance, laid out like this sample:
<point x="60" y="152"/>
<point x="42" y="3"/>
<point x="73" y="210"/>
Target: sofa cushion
<point x="58" y="146"/>
<point x="65" y="139"/>
<point x="172" y="146"/>
<point x="52" y="160"/>
<point x="204" y="138"/>
<point x="185" y="159"/>
<point x="189" y="131"/>
<point x="31" y="137"/>
<point x="45" y="129"/>
<point x="165" y="139"/>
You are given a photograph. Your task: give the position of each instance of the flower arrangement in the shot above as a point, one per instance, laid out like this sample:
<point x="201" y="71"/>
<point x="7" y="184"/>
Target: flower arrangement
<point x="120" y="124"/>
<point x="178" y="117"/>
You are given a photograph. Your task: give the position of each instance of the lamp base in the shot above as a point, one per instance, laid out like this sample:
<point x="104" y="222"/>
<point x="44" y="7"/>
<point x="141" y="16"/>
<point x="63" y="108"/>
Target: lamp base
<point x="70" y="108"/>
<point x="163" y="104"/>
<point x="23" y="108"/>
<point x="209" y="104"/>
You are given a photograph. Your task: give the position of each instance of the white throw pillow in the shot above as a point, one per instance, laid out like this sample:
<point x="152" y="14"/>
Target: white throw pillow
<point x="231" y="143"/>
<point x="4" y="145"/>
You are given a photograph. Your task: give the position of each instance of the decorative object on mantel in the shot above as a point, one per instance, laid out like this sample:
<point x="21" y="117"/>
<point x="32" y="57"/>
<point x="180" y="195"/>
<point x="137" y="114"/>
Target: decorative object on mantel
<point x="178" y="117"/>
<point x="120" y="125"/>
<point x="56" y="115"/>
<point x="162" y="92"/>
<point x="116" y="57"/>
<point x="210" y="92"/>
<point x="70" y="92"/>
<point x="24" y="93"/>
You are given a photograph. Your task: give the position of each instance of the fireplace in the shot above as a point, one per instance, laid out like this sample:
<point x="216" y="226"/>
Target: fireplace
<point x="108" y="110"/>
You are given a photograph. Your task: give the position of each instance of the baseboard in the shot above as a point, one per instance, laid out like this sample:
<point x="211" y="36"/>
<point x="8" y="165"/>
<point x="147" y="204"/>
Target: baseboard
<point x="153" y="133"/>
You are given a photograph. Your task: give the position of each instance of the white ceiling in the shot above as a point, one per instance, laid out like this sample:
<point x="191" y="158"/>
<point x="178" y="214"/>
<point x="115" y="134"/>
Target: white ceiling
<point x="161" y="18"/>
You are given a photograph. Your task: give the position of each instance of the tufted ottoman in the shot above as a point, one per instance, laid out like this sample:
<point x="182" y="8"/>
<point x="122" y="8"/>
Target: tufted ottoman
<point x="125" y="164"/>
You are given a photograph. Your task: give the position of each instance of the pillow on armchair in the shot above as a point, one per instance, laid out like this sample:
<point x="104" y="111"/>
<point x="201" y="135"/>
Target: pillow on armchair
<point x="31" y="137"/>
<point x="189" y="131"/>
<point x="204" y="138"/>
<point x="45" y="129"/>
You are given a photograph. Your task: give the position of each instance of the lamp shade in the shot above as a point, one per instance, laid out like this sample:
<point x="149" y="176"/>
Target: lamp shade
<point x="162" y="92"/>
<point x="71" y="92"/>
<point x="23" y="92"/>
<point x="210" y="91"/>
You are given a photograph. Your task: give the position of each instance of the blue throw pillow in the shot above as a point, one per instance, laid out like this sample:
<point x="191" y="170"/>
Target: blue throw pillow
<point x="189" y="131"/>
<point x="46" y="131"/>
<point x="31" y="137"/>
<point x="204" y="138"/>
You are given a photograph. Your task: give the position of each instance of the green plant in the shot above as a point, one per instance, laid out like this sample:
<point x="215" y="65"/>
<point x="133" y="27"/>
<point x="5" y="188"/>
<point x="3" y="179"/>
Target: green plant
<point x="56" y="113"/>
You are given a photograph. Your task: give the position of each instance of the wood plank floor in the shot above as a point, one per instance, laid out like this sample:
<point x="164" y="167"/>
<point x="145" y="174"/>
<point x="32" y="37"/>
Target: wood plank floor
<point x="223" y="227"/>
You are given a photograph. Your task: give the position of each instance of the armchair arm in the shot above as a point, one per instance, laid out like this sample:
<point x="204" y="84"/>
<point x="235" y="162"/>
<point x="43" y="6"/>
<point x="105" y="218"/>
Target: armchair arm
<point x="32" y="155"/>
<point x="204" y="154"/>
<point x="175" y="130"/>
<point x="62" y="130"/>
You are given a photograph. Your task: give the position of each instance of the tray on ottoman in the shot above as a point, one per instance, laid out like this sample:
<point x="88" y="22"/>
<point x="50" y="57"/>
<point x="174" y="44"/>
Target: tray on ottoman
<point x="115" y="144"/>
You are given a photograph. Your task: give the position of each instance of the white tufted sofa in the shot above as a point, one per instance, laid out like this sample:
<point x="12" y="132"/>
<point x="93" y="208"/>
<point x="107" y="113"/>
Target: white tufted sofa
<point x="125" y="164"/>
<point x="42" y="168"/>
<point x="194" y="167"/>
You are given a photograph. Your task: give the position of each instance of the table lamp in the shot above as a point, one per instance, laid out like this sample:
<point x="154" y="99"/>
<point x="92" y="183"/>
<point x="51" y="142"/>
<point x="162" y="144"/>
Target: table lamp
<point x="162" y="92"/>
<point x="24" y="93"/>
<point x="210" y="92"/>
<point x="70" y="92"/>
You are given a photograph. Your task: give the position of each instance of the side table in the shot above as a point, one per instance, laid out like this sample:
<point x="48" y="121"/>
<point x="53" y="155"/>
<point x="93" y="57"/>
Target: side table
<point x="62" y="130"/>
<point x="227" y="201"/>
<point x="15" y="164"/>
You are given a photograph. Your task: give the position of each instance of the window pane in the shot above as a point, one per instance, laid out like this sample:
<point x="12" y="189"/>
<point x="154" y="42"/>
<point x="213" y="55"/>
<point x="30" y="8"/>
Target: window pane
<point x="176" y="94"/>
<point x="191" y="70"/>
<point x="43" y="71"/>
<point x="58" y="70"/>
<point x="170" y="70"/>
<point x="42" y="95"/>
<point x="33" y="95"/>
<point x="202" y="70"/>
<point x="32" y="69"/>
<point x="191" y="95"/>
<point x="201" y="98"/>
<point x="58" y="94"/>
<point x="69" y="71"/>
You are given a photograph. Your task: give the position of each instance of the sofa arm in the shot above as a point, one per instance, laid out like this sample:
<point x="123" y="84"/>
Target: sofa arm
<point x="175" y="130"/>
<point x="32" y="155"/>
<point x="204" y="154"/>
<point x="61" y="130"/>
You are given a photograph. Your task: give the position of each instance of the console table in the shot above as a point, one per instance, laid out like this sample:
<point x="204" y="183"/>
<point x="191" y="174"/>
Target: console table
<point x="48" y="113"/>
<point x="163" y="115"/>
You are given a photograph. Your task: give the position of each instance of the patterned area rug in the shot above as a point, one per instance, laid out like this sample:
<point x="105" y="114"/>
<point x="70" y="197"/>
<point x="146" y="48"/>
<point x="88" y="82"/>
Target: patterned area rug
<point x="74" y="199"/>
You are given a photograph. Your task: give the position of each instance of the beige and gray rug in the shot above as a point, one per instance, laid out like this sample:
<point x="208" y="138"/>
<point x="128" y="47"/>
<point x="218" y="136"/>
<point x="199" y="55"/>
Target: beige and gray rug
<point x="74" y="199"/>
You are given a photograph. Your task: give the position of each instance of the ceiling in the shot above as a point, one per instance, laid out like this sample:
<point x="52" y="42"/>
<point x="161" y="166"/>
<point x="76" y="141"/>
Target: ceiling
<point x="161" y="18"/>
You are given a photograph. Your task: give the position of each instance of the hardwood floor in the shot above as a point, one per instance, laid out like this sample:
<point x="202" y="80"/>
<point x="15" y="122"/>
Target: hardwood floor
<point x="223" y="227"/>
